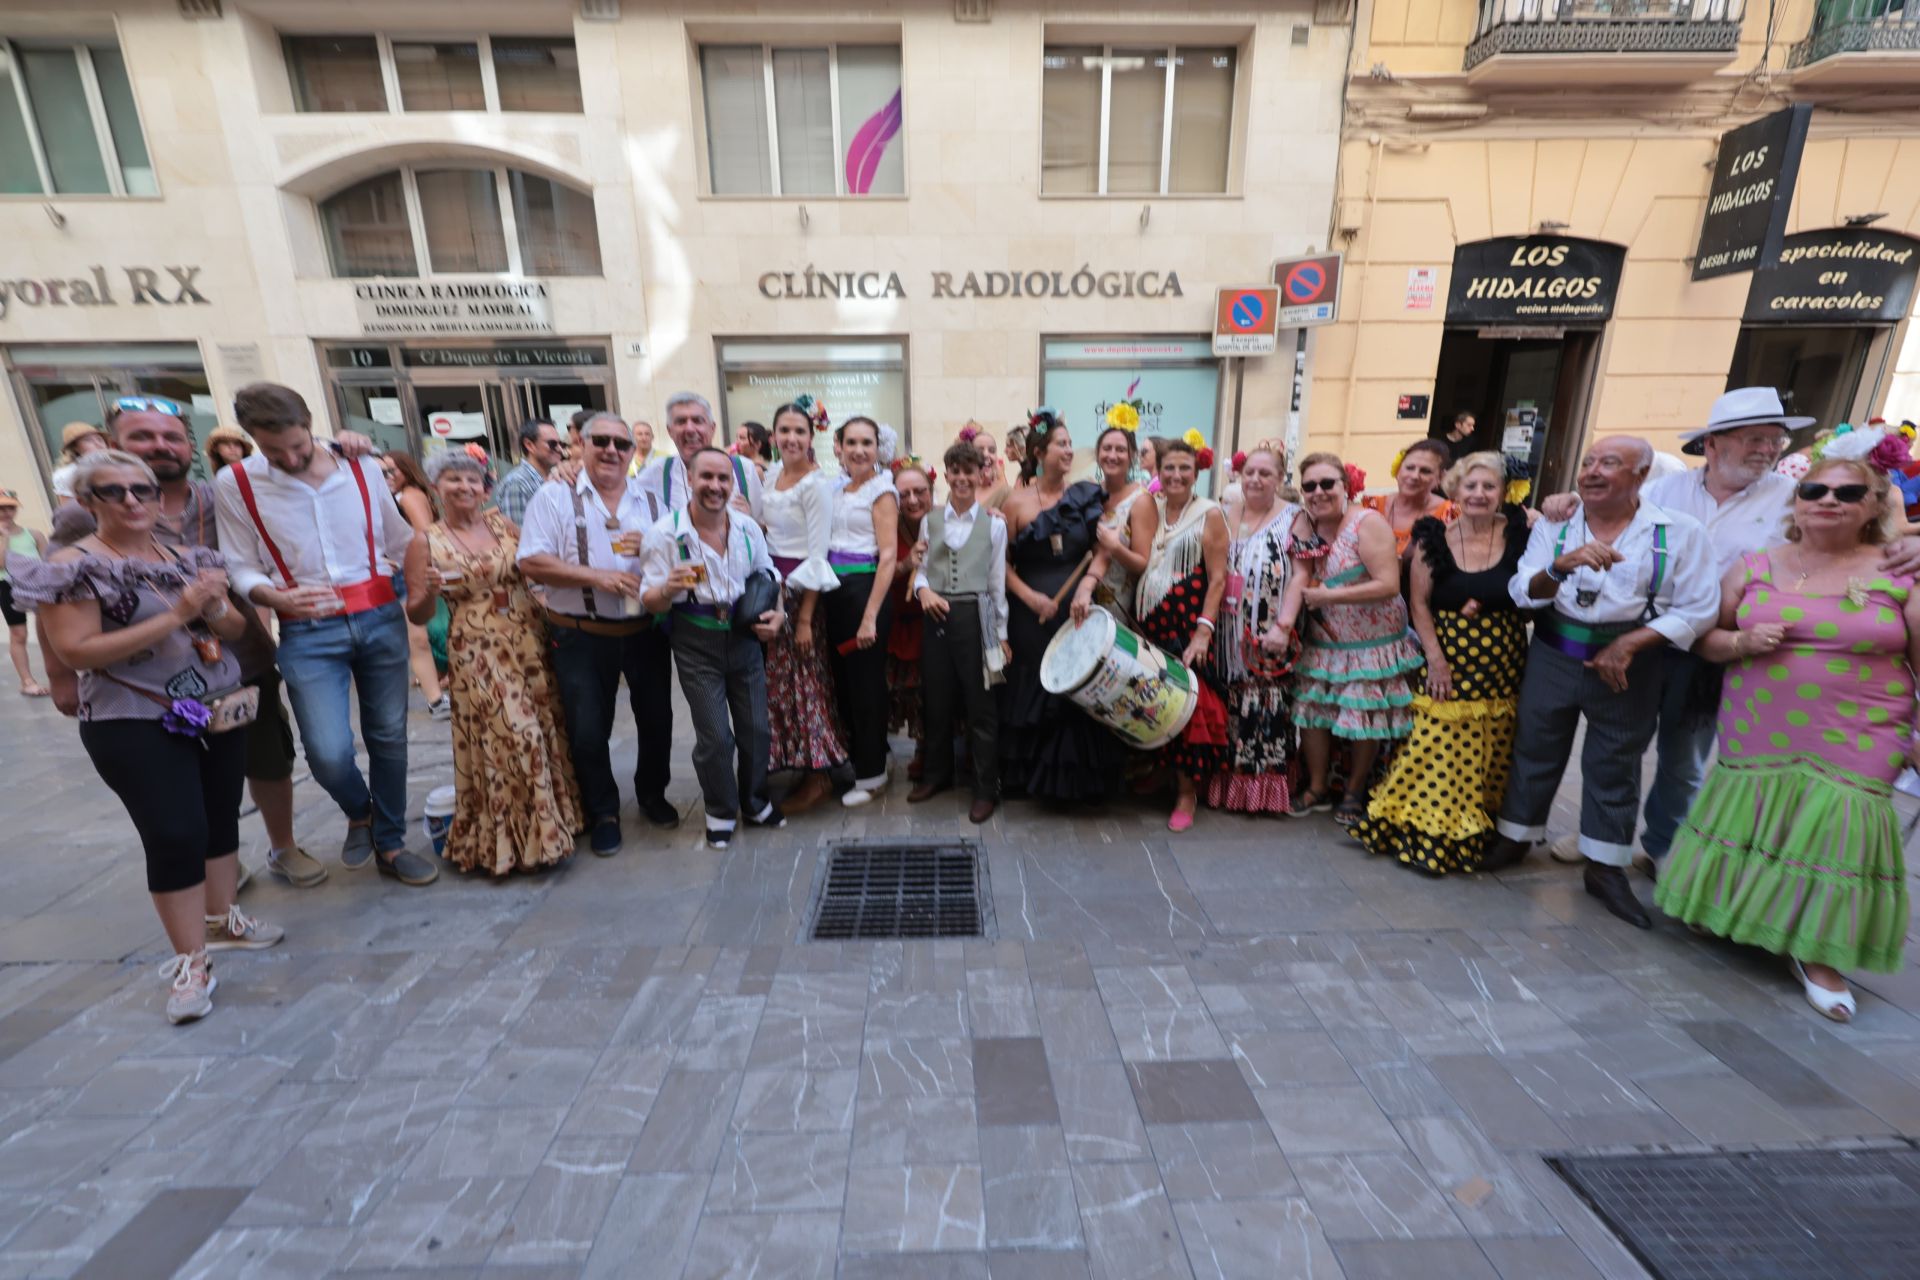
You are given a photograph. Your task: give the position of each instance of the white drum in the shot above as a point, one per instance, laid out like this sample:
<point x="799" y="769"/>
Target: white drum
<point x="1122" y="679"/>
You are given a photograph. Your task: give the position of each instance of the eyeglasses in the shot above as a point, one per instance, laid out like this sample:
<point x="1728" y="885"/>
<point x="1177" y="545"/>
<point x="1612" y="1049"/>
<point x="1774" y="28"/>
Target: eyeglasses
<point x="142" y="492"/>
<point x="611" y="442"/>
<point x="1808" y="491"/>
<point x="147" y="404"/>
<point x="1319" y="486"/>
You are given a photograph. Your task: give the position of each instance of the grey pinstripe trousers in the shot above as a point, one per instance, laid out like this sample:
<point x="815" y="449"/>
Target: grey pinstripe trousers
<point x="724" y="677"/>
<point x="1555" y="693"/>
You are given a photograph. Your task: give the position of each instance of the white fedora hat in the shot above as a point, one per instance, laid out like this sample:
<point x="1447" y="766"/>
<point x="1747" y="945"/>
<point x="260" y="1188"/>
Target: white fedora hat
<point x="1741" y="407"/>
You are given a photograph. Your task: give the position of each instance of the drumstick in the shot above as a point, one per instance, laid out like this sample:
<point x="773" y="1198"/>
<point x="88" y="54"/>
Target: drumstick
<point x="1073" y="577"/>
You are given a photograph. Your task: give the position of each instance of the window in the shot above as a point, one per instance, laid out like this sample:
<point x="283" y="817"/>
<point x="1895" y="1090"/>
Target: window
<point x="68" y="124"/>
<point x="467" y="221"/>
<point x="71" y="383"/>
<point x="850" y="375"/>
<point x="503" y="73"/>
<point x="803" y="121"/>
<point x="1126" y="120"/>
<point x="1175" y="379"/>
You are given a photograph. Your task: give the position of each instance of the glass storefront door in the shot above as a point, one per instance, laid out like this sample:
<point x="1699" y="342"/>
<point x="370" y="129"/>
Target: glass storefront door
<point x="1174" y="378"/>
<point x="57" y="385"/>
<point x="424" y="396"/>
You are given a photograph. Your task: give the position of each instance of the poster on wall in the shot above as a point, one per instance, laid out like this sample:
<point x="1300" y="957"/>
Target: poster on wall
<point x="1173" y="383"/>
<point x="851" y="378"/>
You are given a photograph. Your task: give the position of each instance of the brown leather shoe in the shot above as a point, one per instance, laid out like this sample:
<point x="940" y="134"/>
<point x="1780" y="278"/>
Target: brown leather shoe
<point x="981" y="811"/>
<point x="926" y="791"/>
<point x="814" y="788"/>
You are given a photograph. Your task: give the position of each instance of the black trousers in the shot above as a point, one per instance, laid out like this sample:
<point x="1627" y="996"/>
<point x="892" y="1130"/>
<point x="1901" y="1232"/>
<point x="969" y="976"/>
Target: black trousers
<point x="182" y="793"/>
<point x="860" y="677"/>
<point x="588" y="669"/>
<point x="950" y="677"/>
<point x="724" y="677"/>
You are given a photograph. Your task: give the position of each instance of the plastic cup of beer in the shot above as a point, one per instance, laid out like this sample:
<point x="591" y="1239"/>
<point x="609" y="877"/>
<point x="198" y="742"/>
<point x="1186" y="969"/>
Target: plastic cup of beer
<point x="627" y="543"/>
<point x="699" y="570"/>
<point x="451" y="574"/>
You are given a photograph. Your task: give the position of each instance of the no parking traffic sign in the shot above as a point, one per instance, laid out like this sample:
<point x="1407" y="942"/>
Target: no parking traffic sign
<point x="1246" y="321"/>
<point x="1309" y="290"/>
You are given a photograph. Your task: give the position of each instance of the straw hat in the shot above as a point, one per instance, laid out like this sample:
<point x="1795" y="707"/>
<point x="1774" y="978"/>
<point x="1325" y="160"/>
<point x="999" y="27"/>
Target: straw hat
<point x="74" y="432"/>
<point x="1742" y="407"/>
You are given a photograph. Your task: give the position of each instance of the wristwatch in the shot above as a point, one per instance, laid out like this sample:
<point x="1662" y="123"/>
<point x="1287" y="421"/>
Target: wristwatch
<point x="1556" y="575"/>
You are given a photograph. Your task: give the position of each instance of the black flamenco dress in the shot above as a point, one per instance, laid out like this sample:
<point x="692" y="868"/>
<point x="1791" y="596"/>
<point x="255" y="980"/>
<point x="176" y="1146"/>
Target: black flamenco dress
<point x="1049" y="748"/>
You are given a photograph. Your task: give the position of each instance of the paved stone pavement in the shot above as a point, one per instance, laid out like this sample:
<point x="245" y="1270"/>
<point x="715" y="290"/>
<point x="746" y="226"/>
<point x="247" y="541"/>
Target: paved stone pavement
<point x="1249" y="1052"/>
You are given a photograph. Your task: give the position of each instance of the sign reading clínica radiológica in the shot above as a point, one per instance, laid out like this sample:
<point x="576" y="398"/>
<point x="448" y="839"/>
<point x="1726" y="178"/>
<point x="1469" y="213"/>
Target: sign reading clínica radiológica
<point x="1846" y="275"/>
<point x="1753" y="179"/>
<point x="1534" y="280"/>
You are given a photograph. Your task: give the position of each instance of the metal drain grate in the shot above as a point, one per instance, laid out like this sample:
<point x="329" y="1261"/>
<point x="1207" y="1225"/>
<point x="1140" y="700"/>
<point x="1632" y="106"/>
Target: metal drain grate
<point x="900" y="891"/>
<point x="1760" y="1215"/>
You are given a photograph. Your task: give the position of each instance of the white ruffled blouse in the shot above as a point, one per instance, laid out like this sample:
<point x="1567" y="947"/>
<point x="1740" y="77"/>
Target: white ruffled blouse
<point x="799" y="524"/>
<point x="853" y="516"/>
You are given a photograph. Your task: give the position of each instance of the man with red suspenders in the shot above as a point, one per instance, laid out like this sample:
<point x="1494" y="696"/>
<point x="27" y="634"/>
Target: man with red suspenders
<point x="308" y="535"/>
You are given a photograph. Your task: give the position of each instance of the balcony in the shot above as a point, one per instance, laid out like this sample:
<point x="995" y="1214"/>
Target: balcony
<point x="1859" y="42"/>
<point x="1577" y="43"/>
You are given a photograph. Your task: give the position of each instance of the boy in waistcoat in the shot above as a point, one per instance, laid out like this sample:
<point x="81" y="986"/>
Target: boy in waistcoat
<point x="962" y="586"/>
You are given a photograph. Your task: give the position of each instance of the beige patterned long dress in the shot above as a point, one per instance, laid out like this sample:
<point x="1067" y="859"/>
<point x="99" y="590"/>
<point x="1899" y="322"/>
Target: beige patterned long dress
<point x="518" y="807"/>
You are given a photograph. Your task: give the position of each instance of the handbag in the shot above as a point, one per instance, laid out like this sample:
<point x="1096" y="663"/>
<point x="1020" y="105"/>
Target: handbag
<point x="231" y="708"/>
<point x="759" y="594"/>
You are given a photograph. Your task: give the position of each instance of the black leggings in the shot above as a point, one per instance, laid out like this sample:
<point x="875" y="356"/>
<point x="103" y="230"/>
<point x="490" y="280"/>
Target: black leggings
<point x="184" y="798"/>
<point x="860" y="677"/>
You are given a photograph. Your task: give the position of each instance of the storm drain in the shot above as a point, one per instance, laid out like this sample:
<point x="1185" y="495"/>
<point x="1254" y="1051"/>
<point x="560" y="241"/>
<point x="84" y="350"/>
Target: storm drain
<point x="1760" y="1215"/>
<point x="901" y="891"/>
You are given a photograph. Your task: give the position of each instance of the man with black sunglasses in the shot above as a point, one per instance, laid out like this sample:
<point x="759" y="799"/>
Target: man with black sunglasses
<point x="581" y="540"/>
<point x="1610" y="588"/>
<point x="540" y="453"/>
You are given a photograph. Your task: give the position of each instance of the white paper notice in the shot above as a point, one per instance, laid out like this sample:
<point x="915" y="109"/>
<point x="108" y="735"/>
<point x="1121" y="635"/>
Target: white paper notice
<point x="561" y="414"/>
<point x="206" y="405"/>
<point x="385" y="410"/>
<point x="458" y="426"/>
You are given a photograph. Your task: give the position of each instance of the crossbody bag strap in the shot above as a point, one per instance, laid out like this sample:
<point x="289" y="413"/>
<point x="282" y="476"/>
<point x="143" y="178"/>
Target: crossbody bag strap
<point x="245" y="485"/>
<point x="580" y="541"/>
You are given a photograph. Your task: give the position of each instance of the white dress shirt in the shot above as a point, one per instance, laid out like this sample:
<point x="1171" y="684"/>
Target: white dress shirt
<point x="1687" y="603"/>
<point x="958" y="528"/>
<point x="674" y="541"/>
<point x="320" y="530"/>
<point x="799" y="523"/>
<point x="1751" y="520"/>
<point x="666" y="479"/>
<point x="549" y="531"/>
<point x="853" y="515"/>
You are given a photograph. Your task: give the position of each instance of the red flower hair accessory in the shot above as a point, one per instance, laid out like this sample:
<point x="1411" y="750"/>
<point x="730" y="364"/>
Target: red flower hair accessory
<point x="1356" y="481"/>
<point x="1239" y="461"/>
<point x="1203" y="457"/>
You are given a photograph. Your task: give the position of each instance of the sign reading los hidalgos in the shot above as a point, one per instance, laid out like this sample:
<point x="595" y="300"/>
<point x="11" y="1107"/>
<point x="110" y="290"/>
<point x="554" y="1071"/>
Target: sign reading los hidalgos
<point x="1534" y="280"/>
<point x="1753" y="181"/>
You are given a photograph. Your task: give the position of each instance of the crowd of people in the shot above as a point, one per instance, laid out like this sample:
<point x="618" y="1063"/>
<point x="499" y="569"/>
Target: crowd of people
<point x="1421" y="662"/>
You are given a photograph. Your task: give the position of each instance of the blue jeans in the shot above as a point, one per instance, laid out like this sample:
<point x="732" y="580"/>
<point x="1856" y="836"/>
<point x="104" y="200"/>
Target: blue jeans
<point x="321" y="660"/>
<point x="1682" y="748"/>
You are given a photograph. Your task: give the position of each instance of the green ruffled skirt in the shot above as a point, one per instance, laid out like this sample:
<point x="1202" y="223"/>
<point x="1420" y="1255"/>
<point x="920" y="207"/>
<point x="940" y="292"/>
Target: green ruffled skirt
<point x="1796" y="855"/>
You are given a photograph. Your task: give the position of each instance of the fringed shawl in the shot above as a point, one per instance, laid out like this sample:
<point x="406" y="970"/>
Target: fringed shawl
<point x="1175" y="552"/>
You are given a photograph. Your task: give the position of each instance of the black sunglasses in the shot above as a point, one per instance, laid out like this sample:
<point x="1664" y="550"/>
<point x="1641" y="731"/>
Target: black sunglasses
<point x="118" y="492"/>
<point x="1320" y="486"/>
<point x="1849" y="493"/>
<point x="611" y="442"/>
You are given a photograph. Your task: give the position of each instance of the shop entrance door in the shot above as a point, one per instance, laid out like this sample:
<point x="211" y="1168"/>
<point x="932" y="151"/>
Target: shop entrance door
<point x="1819" y="371"/>
<point x="1528" y="396"/>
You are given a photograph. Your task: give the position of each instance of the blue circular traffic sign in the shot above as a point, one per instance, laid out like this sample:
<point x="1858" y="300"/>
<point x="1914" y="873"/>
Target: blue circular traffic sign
<point x="1305" y="283"/>
<point x="1248" y="310"/>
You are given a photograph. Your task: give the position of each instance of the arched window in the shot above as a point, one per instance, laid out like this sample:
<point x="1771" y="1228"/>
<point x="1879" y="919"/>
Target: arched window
<point x="461" y="221"/>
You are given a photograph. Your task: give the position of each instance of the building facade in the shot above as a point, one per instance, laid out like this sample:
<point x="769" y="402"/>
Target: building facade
<point x="1522" y="195"/>
<point x="437" y="219"/>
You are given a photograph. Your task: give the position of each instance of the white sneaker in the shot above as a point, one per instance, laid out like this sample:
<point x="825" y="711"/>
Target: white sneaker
<point x="442" y="708"/>
<point x="237" y="931"/>
<point x="1567" y="849"/>
<point x="855" y="798"/>
<point x="191" y="995"/>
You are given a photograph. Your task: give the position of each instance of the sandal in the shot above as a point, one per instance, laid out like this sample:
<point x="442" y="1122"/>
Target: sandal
<point x="1352" y="810"/>
<point x="1309" y="801"/>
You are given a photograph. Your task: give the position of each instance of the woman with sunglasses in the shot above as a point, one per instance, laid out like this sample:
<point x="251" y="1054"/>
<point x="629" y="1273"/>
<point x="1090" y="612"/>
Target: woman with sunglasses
<point x="1792" y="844"/>
<point x="28" y="544"/>
<point x="150" y="632"/>
<point x="414" y="496"/>
<point x="1350" y="681"/>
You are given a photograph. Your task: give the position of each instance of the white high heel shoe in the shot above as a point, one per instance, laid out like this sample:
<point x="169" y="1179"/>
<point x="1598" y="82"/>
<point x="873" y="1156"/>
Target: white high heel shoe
<point x="1837" y="1005"/>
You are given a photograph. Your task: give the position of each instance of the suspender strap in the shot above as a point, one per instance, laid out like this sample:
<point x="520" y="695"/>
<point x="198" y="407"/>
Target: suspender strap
<point x="580" y="541"/>
<point x="1659" y="570"/>
<point x="245" y="486"/>
<point x="366" y="506"/>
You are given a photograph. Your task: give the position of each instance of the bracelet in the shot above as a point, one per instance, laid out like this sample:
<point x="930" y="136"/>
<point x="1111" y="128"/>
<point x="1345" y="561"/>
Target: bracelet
<point x="217" y="614"/>
<point x="1555" y="575"/>
<point x="1204" y="621"/>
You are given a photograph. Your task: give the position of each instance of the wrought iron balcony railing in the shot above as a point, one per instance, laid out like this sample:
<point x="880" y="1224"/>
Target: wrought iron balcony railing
<point x="1859" y="26"/>
<point x="1606" y="26"/>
